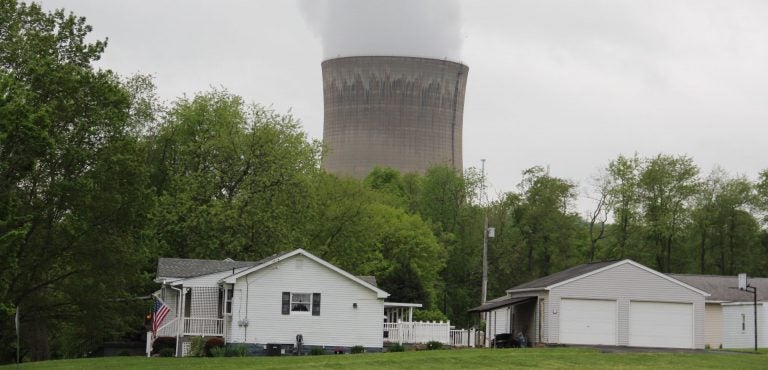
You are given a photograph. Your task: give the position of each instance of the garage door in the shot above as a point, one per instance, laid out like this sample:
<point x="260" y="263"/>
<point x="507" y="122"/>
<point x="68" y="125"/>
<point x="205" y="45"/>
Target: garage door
<point x="657" y="324"/>
<point x="585" y="321"/>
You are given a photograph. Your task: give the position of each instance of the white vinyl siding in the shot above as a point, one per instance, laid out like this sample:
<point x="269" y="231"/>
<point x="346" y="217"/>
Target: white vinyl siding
<point x="258" y="299"/>
<point x="661" y="324"/>
<point x="733" y="317"/>
<point x="498" y="321"/>
<point x="586" y="321"/>
<point x="624" y="283"/>
<point x="713" y="325"/>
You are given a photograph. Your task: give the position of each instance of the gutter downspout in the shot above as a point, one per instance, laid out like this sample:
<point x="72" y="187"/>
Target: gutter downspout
<point x="180" y="315"/>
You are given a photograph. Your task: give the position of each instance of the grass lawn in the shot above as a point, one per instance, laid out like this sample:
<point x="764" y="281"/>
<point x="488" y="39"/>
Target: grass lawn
<point x="445" y="359"/>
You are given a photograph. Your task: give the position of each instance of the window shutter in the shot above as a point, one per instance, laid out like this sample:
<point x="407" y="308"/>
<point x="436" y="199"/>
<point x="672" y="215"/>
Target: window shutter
<point x="286" y="303"/>
<point x="315" y="304"/>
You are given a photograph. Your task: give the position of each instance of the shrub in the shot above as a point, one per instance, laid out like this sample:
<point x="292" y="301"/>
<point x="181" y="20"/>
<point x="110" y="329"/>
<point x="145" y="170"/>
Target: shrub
<point x="211" y="343"/>
<point x="434" y="345"/>
<point x="316" y="351"/>
<point x="164" y="342"/>
<point x="357" y="349"/>
<point x="397" y="347"/>
<point x="197" y="348"/>
<point x="167" y="352"/>
<point x="429" y="315"/>
<point x="219" y="352"/>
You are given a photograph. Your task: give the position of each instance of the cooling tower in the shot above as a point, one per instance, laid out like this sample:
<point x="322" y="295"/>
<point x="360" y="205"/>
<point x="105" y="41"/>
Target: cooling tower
<point x="399" y="112"/>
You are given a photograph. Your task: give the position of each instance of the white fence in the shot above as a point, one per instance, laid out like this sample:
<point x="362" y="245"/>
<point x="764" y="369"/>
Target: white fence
<point x="465" y="338"/>
<point x="417" y="332"/>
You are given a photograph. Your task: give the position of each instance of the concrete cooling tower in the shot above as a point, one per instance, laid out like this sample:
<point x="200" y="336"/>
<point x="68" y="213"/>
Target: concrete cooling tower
<point x="399" y="112"/>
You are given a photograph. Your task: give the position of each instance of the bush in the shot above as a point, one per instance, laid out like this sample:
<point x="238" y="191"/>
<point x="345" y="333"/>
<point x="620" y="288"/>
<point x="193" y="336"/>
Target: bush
<point x="167" y="352"/>
<point x="211" y="343"/>
<point x="429" y="315"/>
<point x="434" y="345"/>
<point x="357" y="349"/>
<point x="197" y="348"/>
<point x="162" y="343"/>
<point x="397" y="347"/>
<point x="316" y="351"/>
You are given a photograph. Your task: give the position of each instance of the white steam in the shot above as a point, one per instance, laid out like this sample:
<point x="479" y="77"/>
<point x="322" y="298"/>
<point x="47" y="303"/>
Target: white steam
<point x="420" y="28"/>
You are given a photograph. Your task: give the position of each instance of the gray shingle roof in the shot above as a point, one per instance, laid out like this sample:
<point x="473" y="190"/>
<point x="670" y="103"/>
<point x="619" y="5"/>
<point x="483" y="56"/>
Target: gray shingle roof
<point x="564" y="275"/>
<point x="368" y="279"/>
<point x="188" y="267"/>
<point x="722" y="288"/>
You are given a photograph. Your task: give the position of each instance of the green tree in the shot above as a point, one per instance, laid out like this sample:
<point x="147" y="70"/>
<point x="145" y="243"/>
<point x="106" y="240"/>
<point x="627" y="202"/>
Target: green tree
<point x="72" y="184"/>
<point x="623" y="195"/>
<point x="232" y="179"/>
<point x="667" y="184"/>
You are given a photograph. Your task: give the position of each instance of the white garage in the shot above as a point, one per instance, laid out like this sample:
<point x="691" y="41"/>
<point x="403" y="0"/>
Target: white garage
<point x="621" y="303"/>
<point x="661" y="324"/>
<point x="588" y="321"/>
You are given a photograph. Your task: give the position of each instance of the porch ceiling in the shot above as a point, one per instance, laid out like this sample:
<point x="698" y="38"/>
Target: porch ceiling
<point x="489" y="306"/>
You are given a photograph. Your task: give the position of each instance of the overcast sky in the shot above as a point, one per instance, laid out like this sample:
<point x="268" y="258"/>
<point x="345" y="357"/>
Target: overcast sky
<point x="565" y="84"/>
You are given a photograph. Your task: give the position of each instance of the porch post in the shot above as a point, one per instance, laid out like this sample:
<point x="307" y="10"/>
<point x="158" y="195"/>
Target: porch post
<point x="410" y="314"/>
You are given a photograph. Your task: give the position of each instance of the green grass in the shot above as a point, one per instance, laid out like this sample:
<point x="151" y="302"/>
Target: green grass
<point x="446" y="359"/>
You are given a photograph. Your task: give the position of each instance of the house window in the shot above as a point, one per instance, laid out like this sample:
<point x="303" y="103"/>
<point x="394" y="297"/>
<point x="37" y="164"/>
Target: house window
<point x="225" y="301"/>
<point x="228" y="304"/>
<point x="301" y="302"/>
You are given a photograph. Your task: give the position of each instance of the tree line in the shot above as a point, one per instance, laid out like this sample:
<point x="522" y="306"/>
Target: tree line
<point x="99" y="178"/>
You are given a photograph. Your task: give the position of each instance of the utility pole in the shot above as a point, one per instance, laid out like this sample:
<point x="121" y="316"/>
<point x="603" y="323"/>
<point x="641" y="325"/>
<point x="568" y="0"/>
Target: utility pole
<point x="485" y="235"/>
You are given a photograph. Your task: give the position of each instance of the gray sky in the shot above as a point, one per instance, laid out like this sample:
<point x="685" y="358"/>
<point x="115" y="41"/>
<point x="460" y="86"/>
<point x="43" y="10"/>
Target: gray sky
<point x="569" y="84"/>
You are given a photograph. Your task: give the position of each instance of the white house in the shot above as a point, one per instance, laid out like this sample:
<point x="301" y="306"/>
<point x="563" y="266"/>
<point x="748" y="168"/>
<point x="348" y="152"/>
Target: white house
<point x="730" y="312"/>
<point x="266" y="304"/>
<point x="621" y="303"/>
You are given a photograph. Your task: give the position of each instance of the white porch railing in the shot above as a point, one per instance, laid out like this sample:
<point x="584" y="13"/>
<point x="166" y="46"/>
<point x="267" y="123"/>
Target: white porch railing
<point x="417" y="332"/>
<point x="203" y="326"/>
<point x="465" y="338"/>
<point x="169" y="329"/>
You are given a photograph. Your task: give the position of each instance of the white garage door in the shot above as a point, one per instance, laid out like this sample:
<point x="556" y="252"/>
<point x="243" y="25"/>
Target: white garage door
<point x="584" y="321"/>
<point x="657" y="324"/>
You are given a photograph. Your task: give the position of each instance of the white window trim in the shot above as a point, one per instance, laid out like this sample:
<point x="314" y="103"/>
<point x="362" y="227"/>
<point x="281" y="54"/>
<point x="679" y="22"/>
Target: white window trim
<point x="308" y="303"/>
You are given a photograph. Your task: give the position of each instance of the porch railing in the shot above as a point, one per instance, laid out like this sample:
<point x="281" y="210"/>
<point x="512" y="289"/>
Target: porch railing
<point x="203" y="326"/>
<point x="169" y="329"/>
<point x="466" y="338"/>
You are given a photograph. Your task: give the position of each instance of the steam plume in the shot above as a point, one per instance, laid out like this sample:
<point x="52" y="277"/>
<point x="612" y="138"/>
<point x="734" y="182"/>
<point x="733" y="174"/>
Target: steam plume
<point x="422" y="28"/>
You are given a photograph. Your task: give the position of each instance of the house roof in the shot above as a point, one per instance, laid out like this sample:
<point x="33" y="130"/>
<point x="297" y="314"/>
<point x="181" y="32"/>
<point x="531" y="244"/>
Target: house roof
<point x="186" y="267"/>
<point x="724" y="288"/>
<point x="558" y="277"/>
<point x="368" y="279"/>
<point x="182" y="268"/>
<point x="275" y="259"/>
<point x="500" y="302"/>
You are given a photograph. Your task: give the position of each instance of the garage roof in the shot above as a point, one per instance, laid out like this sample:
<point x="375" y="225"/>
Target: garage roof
<point x="587" y="269"/>
<point x="542" y="283"/>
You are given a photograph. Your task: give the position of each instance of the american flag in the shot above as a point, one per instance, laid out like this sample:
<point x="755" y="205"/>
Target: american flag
<point x="161" y="311"/>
